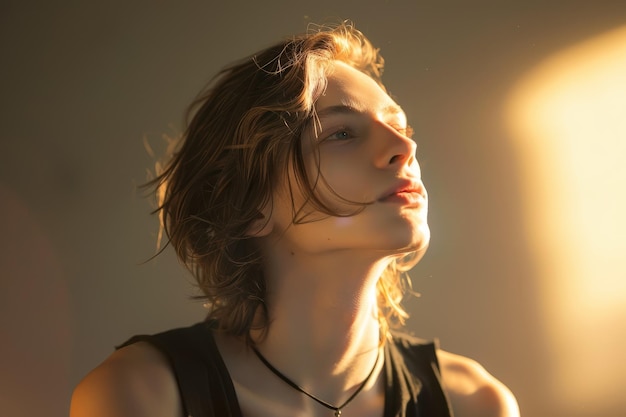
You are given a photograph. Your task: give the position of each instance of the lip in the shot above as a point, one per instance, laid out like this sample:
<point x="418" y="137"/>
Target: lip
<point x="406" y="192"/>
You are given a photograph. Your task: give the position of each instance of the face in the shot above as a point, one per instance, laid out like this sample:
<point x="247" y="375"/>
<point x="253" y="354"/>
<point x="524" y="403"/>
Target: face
<point x="360" y="151"/>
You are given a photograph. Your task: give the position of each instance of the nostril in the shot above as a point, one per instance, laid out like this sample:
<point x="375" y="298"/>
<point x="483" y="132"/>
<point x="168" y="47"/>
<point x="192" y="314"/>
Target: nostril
<point x="394" y="159"/>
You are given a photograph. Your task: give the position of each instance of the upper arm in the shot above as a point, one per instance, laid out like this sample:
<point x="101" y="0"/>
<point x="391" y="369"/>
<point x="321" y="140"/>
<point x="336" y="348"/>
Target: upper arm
<point x="473" y="391"/>
<point x="135" y="381"/>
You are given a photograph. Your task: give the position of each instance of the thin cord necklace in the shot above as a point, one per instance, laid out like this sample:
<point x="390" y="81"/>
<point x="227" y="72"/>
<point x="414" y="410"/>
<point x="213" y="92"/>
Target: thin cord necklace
<point x="336" y="409"/>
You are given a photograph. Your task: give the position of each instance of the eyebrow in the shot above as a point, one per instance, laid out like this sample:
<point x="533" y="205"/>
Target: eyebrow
<point x="391" y="109"/>
<point x="346" y="109"/>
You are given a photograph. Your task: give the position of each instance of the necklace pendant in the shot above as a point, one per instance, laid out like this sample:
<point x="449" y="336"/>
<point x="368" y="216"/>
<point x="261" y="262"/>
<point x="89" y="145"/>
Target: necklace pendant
<point x="337" y="413"/>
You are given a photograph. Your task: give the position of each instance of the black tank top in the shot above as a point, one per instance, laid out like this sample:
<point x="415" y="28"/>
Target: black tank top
<point x="412" y="378"/>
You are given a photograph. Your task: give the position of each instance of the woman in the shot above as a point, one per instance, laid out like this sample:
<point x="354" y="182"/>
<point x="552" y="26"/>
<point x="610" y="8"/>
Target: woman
<point x="296" y="200"/>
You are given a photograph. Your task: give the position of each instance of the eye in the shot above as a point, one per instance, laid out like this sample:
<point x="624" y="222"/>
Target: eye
<point x="341" y="134"/>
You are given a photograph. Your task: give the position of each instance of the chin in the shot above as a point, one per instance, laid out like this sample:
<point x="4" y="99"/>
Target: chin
<point x="418" y="237"/>
<point x="415" y="243"/>
<point x="413" y="233"/>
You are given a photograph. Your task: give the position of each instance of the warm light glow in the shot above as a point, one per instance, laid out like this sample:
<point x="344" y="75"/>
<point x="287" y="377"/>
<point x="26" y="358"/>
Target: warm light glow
<point x="568" y="118"/>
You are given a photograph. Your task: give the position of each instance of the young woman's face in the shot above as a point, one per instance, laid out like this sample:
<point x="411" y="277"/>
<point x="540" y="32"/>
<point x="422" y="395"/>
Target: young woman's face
<point x="361" y="148"/>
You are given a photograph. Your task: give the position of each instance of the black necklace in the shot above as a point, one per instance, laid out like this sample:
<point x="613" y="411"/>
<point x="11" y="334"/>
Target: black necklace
<point x="295" y="386"/>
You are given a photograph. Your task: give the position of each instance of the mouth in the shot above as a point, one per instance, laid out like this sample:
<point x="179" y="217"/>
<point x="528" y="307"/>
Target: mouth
<point x="410" y="193"/>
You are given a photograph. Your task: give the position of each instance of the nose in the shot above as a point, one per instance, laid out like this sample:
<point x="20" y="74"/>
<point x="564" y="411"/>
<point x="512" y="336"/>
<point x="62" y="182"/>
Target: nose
<point x="394" y="149"/>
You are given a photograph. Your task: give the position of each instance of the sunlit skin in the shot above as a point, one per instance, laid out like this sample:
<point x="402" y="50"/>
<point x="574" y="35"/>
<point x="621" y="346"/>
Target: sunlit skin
<point x="365" y="156"/>
<point x="321" y="278"/>
<point x="322" y="274"/>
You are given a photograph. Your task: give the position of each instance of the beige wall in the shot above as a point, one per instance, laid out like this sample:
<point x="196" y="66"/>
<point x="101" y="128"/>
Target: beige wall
<point x="82" y="86"/>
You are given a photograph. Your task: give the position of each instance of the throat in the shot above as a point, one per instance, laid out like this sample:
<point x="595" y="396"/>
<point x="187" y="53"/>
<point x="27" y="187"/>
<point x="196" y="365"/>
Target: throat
<point x="336" y="408"/>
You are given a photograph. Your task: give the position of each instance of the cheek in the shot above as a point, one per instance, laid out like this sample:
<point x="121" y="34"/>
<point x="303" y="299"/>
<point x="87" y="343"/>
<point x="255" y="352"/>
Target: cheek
<point x="339" y="180"/>
<point x="348" y="180"/>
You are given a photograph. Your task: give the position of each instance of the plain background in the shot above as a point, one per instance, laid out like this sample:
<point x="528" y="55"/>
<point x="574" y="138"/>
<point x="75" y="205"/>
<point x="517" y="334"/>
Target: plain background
<point x="84" y="84"/>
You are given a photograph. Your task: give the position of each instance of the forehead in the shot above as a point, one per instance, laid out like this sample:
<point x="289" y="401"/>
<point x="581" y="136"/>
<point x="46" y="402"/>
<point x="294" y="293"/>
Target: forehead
<point x="350" y="88"/>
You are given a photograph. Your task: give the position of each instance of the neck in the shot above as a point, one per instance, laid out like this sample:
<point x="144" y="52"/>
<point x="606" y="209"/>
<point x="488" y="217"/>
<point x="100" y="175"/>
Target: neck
<point x="324" y="331"/>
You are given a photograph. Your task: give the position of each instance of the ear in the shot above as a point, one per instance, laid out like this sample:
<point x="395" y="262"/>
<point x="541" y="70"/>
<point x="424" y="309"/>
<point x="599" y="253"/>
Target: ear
<point x="263" y="224"/>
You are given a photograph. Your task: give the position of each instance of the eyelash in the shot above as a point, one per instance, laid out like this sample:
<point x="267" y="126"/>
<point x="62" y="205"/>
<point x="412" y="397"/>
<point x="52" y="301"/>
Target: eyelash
<point x="406" y="131"/>
<point x="333" y="136"/>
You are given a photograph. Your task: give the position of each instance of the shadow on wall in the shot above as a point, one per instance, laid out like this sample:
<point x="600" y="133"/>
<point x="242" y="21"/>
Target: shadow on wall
<point x="568" y="119"/>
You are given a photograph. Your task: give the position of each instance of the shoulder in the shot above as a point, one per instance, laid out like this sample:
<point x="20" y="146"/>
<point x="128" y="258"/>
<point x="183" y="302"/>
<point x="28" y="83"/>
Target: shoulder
<point x="136" y="380"/>
<point x="472" y="390"/>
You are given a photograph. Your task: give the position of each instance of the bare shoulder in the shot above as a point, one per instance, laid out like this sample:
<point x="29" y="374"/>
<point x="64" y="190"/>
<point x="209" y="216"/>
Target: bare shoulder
<point x="472" y="390"/>
<point x="134" y="381"/>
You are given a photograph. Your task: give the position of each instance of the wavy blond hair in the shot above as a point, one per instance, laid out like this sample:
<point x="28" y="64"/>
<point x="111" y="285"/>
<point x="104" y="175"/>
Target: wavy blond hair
<point x="242" y="133"/>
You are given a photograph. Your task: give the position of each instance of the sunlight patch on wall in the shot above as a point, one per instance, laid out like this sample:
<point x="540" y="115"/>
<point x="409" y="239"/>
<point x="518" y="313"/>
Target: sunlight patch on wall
<point x="568" y="119"/>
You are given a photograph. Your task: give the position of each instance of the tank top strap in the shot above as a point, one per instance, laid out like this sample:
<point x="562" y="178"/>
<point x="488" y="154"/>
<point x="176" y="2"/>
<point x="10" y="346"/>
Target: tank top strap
<point x="413" y="379"/>
<point x="204" y="384"/>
